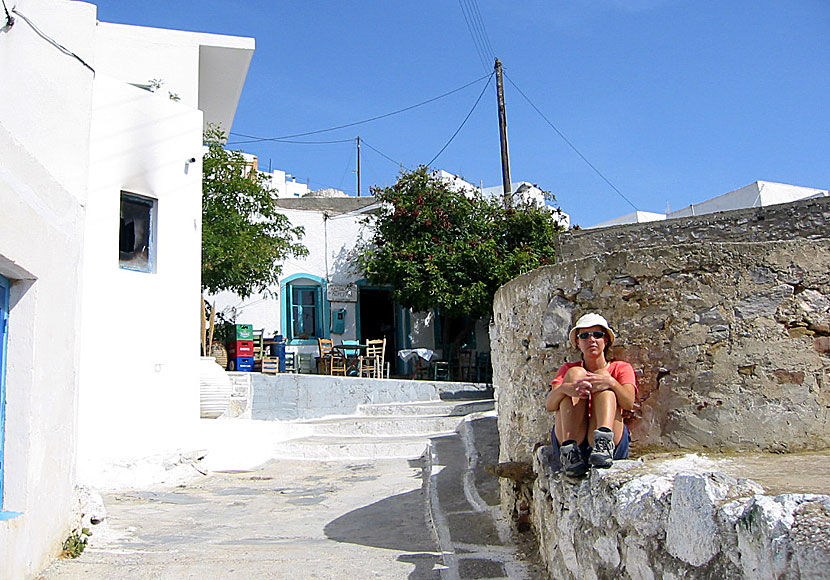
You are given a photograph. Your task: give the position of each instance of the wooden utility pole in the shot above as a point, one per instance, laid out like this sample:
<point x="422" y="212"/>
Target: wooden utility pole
<point x="358" y="166"/>
<point x="505" y="154"/>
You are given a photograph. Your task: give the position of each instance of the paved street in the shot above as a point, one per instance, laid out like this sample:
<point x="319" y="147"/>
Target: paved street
<point x="287" y="519"/>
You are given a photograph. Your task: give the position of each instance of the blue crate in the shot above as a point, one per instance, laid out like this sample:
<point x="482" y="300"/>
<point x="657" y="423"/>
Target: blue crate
<point x="241" y="363"/>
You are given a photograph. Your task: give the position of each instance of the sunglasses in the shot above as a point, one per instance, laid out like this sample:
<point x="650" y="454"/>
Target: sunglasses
<point x="596" y="334"/>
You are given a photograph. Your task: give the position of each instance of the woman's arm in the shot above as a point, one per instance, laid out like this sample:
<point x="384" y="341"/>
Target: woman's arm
<point x="625" y="392"/>
<point x="558" y="393"/>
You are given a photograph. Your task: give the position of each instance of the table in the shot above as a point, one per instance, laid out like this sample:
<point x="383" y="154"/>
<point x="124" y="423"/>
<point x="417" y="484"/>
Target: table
<point x="418" y="354"/>
<point x="352" y="353"/>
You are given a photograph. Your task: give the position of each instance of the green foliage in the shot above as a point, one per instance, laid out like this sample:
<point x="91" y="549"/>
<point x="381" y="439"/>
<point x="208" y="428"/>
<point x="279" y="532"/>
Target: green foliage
<point x="244" y="236"/>
<point x="75" y="544"/>
<point x="441" y="248"/>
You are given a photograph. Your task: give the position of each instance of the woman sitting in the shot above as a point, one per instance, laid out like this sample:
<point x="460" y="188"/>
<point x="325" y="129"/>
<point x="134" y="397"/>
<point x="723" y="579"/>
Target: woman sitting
<point x="589" y="397"/>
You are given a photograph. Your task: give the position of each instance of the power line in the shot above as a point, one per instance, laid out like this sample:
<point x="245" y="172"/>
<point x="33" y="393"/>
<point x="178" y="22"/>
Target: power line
<point x="479" y="48"/>
<point x="483" y="29"/>
<point x="462" y="122"/>
<point x="571" y="145"/>
<point x="47" y="38"/>
<point x="293" y="141"/>
<point x="382" y="154"/>
<point x="255" y="139"/>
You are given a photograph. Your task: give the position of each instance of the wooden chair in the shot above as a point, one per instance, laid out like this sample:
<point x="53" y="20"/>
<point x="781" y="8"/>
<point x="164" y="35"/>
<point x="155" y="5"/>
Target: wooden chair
<point x="465" y="365"/>
<point x="330" y="362"/>
<point x="337" y="365"/>
<point x="372" y="362"/>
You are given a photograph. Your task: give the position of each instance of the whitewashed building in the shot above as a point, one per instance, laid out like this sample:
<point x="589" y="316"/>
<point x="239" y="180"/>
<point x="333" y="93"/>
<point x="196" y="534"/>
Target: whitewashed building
<point x="100" y="219"/>
<point x="324" y="295"/>
<point x="756" y="194"/>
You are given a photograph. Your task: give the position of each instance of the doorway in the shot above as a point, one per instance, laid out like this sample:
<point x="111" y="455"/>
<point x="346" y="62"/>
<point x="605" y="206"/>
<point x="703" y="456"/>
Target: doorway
<point x="377" y="319"/>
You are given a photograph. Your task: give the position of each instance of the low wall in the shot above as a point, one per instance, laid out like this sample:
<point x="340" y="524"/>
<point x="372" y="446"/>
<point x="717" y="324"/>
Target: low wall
<point x="801" y="220"/>
<point x="676" y="518"/>
<point x="288" y="396"/>
<point x="730" y="342"/>
<point x="726" y="321"/>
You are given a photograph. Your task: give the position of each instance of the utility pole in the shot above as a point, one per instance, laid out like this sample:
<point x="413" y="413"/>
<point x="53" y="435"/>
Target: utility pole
<point x="505" y="154"/>
<point x="358" y="166"/>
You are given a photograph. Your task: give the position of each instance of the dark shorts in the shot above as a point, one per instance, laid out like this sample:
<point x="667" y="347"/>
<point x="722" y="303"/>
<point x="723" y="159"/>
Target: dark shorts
<point x="620" y="450"/>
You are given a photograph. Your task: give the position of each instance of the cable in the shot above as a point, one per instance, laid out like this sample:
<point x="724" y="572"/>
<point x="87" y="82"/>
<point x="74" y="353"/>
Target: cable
<point x="9" y="17"/>
<point x="382" y="154"/>
<point x="463" y="122"/>
<point x="296" y="142"/>
<point x="483" y="29"/>
<point x="571" y="145"/>
<point x="479" y="49"/>
<point x="51" y="41"/>
<point x="259" y="139"/>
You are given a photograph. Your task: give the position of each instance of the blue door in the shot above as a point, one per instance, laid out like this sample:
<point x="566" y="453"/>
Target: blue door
<point x="4" y="322"/>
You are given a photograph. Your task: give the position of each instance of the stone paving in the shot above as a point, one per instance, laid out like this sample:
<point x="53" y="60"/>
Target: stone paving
<point x="433" y="517"/>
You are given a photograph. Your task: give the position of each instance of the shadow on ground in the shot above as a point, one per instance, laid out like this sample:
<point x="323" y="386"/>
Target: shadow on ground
<point x="394" y="523"/>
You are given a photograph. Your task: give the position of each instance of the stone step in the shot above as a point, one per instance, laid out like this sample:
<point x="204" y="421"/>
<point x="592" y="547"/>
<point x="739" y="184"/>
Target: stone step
<point x="451" y="408"/>
<point x="382" y="425"/>
<point x="462" y="504"/>
<point x="323" y="447"/>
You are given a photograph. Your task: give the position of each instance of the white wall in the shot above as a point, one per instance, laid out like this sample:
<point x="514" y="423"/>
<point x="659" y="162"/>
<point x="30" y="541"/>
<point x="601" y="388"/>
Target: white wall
<point x="45" y="101"/>
<point x="285" y="185"/>
<point x="757" y="194"/>
<point x="137" y="54"/>
<point x="330" y="243"/>
<point x="139" y="378"/>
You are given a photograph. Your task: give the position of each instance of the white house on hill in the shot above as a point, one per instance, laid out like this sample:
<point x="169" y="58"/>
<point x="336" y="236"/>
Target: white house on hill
<point x="757" y="194"/>
<point x="100" y="219"/>
<point x="324" y="295"/>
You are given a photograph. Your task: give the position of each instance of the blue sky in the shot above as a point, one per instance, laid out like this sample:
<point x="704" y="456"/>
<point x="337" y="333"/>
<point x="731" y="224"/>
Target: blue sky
<point x="672" y="102"/>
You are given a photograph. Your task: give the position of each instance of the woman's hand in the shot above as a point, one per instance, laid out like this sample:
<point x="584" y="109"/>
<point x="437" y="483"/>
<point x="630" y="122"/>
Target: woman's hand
<point x="598" y="382"/>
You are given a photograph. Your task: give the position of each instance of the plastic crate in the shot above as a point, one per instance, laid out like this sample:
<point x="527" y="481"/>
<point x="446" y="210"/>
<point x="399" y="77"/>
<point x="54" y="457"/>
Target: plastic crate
<point x="244" y="331"/>
<point x="244" y="348"/>
<point x="241" y="363"/>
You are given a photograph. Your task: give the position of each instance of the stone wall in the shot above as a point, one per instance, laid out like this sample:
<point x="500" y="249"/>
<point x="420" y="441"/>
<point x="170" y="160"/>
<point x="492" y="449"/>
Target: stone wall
<point x="726" y="321"/>
<point x="681" y="517"/>
<point x="807" y="219"/>
<point x="724" y="337"/>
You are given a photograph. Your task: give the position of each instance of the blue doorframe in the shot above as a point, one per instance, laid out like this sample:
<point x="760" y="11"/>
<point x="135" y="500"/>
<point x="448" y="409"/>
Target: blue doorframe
<point x="4" y="322"/>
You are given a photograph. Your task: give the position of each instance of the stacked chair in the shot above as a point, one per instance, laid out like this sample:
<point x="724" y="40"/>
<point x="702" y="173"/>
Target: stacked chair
<point x="372" y="361"/>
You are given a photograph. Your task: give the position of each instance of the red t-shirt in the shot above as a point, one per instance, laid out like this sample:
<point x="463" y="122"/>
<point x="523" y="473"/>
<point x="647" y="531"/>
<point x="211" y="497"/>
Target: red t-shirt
<point x="622" y="371"/>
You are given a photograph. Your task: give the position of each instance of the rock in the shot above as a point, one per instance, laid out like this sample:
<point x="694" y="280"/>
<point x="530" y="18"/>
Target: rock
<point x="516" y="470"/>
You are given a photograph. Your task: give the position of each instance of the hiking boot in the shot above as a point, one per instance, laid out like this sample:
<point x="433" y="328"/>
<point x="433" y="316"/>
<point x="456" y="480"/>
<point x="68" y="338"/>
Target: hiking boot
<point x="602" y="455"/>
<point x="573" y="463"/>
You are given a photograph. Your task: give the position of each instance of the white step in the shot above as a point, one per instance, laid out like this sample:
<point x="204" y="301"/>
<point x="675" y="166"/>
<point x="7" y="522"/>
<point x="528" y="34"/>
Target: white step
<point x="453" y="408"/>
<point x="323" y="448"/>
<point x="382" y="425"/>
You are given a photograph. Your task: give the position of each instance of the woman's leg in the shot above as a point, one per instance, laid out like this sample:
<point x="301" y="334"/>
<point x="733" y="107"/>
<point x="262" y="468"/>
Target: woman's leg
<point x="571" y="422"/>
<point x="605" y="413"/>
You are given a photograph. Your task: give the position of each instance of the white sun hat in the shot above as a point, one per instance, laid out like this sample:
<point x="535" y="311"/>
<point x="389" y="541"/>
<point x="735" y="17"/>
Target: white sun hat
<point x="587" y="321"/>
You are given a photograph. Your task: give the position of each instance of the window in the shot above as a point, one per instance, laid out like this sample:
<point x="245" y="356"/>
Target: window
<point x="4" y="317"/>
<point x="136" y="243"/>
<point x="305" y="312"/>
<point x="304" y="308"/>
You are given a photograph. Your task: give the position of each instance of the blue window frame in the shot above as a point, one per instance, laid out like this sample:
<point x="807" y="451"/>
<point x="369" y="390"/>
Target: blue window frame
<point x="304" y="308"/>
<point x="4" y="323"/>
<point x="305" y="312"/>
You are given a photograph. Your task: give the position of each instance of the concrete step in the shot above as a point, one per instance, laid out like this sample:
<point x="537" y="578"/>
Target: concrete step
<point x="451" y="408"/>
<point x="382" y="425"/>
<point x="327" y="447"/>
<point x="462" y="502"/>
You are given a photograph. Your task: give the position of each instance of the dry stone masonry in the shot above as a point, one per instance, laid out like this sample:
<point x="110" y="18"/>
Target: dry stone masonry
<point x="726" y="320"/>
